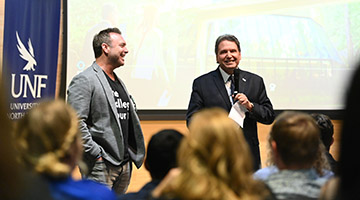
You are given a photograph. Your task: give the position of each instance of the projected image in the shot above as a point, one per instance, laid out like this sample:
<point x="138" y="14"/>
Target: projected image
<point x="305" y="52"/>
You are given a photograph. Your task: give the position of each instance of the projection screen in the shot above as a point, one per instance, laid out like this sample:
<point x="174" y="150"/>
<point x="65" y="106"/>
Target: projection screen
<point x="305" y="50"/>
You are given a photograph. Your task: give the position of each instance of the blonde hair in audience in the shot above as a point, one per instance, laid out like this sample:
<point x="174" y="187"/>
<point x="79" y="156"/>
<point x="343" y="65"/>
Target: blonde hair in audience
<point x="321" y="162"/>
<point x="297" y="138"/>
<point x="48" y="139"/>
<point x="215" y="161"/>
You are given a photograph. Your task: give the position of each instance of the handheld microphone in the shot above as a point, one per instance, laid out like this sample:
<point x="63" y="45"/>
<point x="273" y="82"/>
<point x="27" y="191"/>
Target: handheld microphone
<point x="236" y="81"/>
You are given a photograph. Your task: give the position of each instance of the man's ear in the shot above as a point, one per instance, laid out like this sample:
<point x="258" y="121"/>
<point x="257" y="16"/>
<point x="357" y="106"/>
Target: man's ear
<point x="105" y="48"/>
<point x="274" y="147"/>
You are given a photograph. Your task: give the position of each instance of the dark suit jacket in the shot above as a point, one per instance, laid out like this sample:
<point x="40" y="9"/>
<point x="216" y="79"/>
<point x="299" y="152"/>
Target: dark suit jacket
<point x="209" y="91"/>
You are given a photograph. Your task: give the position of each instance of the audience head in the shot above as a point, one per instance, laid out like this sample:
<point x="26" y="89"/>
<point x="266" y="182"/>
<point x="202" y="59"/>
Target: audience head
<point x="349" y="146"/>
<point x="161" y="152"/>
<point x="103" y="37"/>
<point x="48" y="139"/>
<point x="214" y="144"/>
<point x="214" y="160"/>
<point x="11" y="184"/>
<point x="295" y="140"/>
<point x="326" y="129"/>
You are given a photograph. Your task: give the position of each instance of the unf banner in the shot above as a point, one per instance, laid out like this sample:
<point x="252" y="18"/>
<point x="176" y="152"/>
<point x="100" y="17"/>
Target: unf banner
<point x="31" y="37"/>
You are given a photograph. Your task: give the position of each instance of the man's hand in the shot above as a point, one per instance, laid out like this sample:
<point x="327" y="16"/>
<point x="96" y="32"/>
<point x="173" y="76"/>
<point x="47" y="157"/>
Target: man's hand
<point x="243" y="100"/>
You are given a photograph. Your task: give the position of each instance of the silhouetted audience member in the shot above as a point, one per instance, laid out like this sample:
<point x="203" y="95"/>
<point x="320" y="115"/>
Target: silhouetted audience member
<point x="16" y="183"/>
<point x="214" y="163"/>
<point x="160" y="158"/>
<point x="326" y="132"/>
<point x="346" y="185"/>
<point x="295" y="143"/>
<point x="49" y="142"/>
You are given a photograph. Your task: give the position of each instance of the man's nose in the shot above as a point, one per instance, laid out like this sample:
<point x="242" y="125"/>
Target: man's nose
<point x="228" y="54"/>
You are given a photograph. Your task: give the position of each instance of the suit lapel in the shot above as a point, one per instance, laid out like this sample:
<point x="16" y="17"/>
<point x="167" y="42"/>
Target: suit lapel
<point x="107" y="89"/>
<point x="219" y="82"/>
<point x="242" y="82"/>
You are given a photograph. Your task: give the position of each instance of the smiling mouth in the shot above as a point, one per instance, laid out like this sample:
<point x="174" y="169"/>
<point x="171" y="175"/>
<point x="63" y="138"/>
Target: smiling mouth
<point x="229" y="61"/>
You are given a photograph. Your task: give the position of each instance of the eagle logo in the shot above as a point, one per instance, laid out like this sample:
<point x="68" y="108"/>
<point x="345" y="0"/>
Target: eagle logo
<point x="25" y="54"/>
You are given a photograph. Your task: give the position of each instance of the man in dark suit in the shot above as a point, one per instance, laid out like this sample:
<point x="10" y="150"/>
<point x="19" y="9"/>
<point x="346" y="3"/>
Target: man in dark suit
<point x="214" y="90"/>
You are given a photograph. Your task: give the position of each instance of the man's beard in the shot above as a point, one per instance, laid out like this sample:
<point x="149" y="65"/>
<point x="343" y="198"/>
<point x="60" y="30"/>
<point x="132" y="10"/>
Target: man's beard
<point x="115" y="61"/>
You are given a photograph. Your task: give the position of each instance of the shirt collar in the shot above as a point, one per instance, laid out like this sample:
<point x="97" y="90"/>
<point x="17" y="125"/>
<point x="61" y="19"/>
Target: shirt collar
<point x="224" y="75"/>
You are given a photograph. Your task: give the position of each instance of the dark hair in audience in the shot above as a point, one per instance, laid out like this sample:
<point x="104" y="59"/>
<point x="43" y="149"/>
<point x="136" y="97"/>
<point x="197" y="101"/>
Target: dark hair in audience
<point x="326" y="128"/>
<point x="103" y="37"/>
<point x="349" y="145"/>
<point x="227" y="37"/>
<point x="161" y="152"/>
